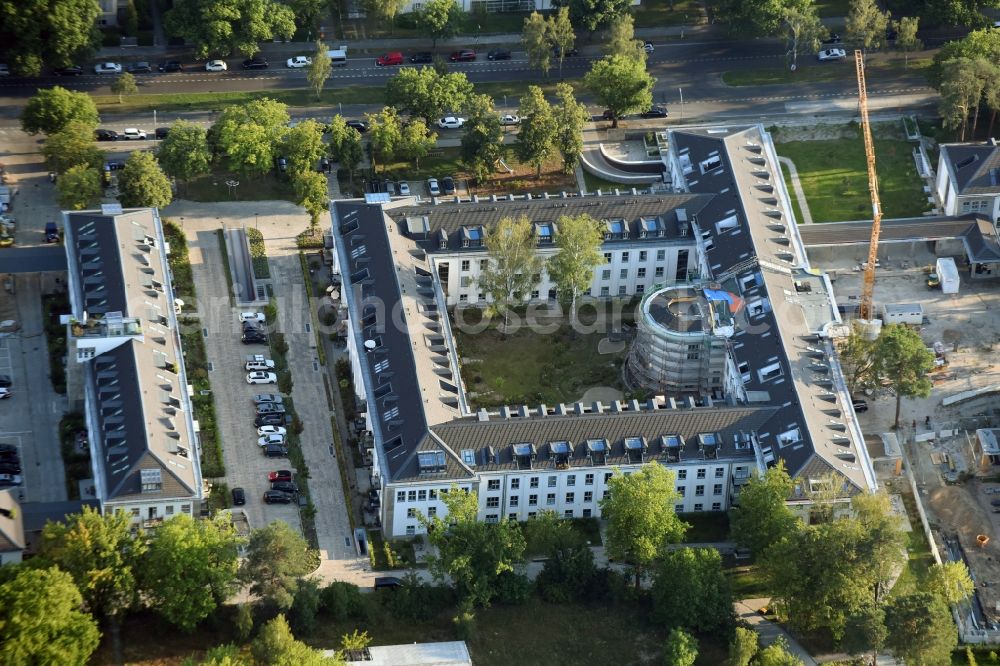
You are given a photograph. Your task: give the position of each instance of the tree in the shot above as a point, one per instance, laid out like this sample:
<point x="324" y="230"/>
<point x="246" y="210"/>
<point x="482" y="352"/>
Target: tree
<point x="250" y="135"/>
<point x="471" y="553"/>
<point x="743" y="648"/>
<point x="904" y="361"/>
<point x="319" y="69"/>
<point x="921" y="629"/>
<point x="305" y="606"/>
<point x="681" y="648"/>
<point x="221" y="27"/>
<point x="190" y="568"/>
<point x="977" y="44"/>
<point x="354" y="644"/>
<point x="752" y="18"/>
<point x="571" y="116"/>
<point x="961" y="90"/>
<point x="79" y="187"/>
<point x="621" y="38"/>
<point x="537" y="136"/>
<point x="276" y="646"/>
<point x="143" y="184"/>
<point x="857" y="359"/>
<point x="804" y="28"/>
<point x="621" y="84"/>
<point x="482" y="138"/>
<point x="561" y="34"/>
<point x="578" y="241"/>
<point x="184" y="153"/>
<point x="567" y="574"/>
<point x="906" y="37"/>
<point x="52" y="109"/>
<point x="276" y="557"/>
<point x="312" y="192"/>
<point x="416" y="141"/>
<point x="690" y="590"/>
<point x="384" y="10"/>
<point x="426" y="93"/>
<point x="593" y="14"/>
<point x="72" y="145"/>
<point x="345" y="145"/>
<point x="513" y="263"/>
<point x="48" y="32"/>
<point x="880" y="542"/>
<point x="124" y="85"/>
<point x="384" y="134"/>
<point x="535" y="39"/>
<point x="950" y="581"/>
<point x="762" y="517"/>
<point x="308" y="13"/>
<point x="866" y="633"/>
<point x="102" y="555"/>
<point x="866" y="24"/>
<point x="439" y="19"/>
<point x="777" y="654"/>
<point x="303" y="146"/>
<point x="640" y="515"/>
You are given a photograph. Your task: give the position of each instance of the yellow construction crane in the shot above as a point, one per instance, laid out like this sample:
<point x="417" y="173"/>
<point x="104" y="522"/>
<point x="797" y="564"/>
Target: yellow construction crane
<point x="866" y="312"/>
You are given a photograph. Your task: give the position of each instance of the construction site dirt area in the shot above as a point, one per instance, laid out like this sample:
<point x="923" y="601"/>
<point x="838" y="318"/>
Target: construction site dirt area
<point x="958" y="486"/>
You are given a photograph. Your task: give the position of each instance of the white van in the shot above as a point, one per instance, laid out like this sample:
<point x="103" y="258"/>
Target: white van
<point x="338" y="58"/>
<point x="259" y="365"/>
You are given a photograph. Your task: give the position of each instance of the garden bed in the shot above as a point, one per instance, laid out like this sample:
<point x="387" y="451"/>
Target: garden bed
<point x="258" y="255"/>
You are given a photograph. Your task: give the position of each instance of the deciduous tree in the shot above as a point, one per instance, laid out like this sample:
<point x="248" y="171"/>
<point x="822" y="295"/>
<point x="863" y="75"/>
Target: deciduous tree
<point x="312" y="192"/>
<point x="190" y="568"/>
<point x="621" y="84"/>
<point x="48" y="32"/>
<point x="571" y="118"/>
<point x="903" y="360"/>
<point x="690" y="590"/>
<point x="319" y="69"/>
<point x="777" y="654"/>
<point x="308" y="13"/>
<point x="561" y="35"/>
<point x="950" y="581"/>
<point x="906" y="37"/>
<point x="303" y="146"/>
<point x="578" y="241"/>
<point x="763" y="517"/>
<point x="221" y="27"/>
<point x="384" y="10"/>
<point x="640" y="515"/>
<point x="124" y="84"/>
<point x="857" y="359"/>
<point x="184" y="153"/>
<point x="535" y="39"/>
<point x="866" y="24"/>
<point x="41" y="621"/>
<point x="471" y="553"/>
<point x="345" y="145"/>
<point x="427" y="93"/>
<point x="752" y="18"/>
<point x="416" y="141"/>
<point x="743" y="647"/>
<point x="276" y="557"/>
<point x="142" y="182"/>
<point x="865" y="633"/>
<point x="72" y="145"/>
<point x="594" y="14"/>
<point x="52" y="109"/>
<point x="384" y="135"/>
<point x="537" y="136"/>
<point x="482" y="138"/>
<point x="977" y="44"/>
<point x="439" y="19"/>
<point x="921" y="629"/>
<point x="250" y="135"/>
<point x="79" y="187"/>
<point x="512" y="265"/>
<point x="621" y="38"/>
<point x="276" y="646"/>
<point x="803" y="27"/>
<point x="681" y="648"/>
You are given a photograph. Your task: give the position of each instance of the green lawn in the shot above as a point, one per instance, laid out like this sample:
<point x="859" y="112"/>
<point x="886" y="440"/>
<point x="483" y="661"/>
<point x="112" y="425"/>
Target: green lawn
<point x="656" y="13"/>
<point x="706" y="527"/>
<point x="747" y="582"/>
<point x="796" y="207"/>
<point x="829" y="71"/>
<point x="218" y="100"/>
<point x="529" y="367"/>
<point x="212" y="187"/>
<point x="918" y="551"/>
<point x="834" y="178"/>
<point x="595" y="183"/>
<point x="833" y="8"/>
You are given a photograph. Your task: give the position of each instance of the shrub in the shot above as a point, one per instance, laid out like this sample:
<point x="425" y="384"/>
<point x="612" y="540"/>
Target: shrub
<point x="258" y="255"/>
<point x="342" y="601"/>
<point x="512" y="588"/>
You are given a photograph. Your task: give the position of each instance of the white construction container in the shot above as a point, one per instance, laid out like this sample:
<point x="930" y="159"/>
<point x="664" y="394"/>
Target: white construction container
<point x="903" y="313"/>
<point x="947" y="273"/>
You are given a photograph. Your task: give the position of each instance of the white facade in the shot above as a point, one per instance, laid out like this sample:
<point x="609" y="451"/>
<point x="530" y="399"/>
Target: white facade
<point x="955" y="203"/>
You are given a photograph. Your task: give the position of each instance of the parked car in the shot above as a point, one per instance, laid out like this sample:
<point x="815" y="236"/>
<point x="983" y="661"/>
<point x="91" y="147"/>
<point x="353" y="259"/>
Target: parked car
<point x="285" y="487"/>
<point x="254" y="338"/>
<point x="271" y="439"/>
<point x="498" y="54"/>
<point x="608" y="114"/>
<point x="261" y="377"/>
<point x="831" y="54"/>
<point x="10" y="467"/>
<point x="995" y="502"/>
<point x="5" y="393"/>
<point x="569" y="52"/>
<point x="271" y="419"/>
<point x="69" y="70"/>
<point x="277" y="497"/>
<point x="448" y="185"/>
<point x="140" y="68"/>
<point x="261" y="398"/>
<point x="271" y="430"/>
<point x="859" y="405"/>
<point x="133" y="134"/>
<point x="432" y="187"/>
<point x="655" y="112"/>
<point x="5" y="382"/>
<point x="275" y="451"/>
<point x="10" y="479"/>
<point x="216" y="66"/>
<point x="270" y="408"/>
<point x="422" y="57"/>
<point x="262" y="364"/>
<point x="462" y="55"/>
<point x="253" y="316"/>
<point x="391" y="58"/>
<point x="359" y="125"/>
<point x="834" y="38"/>
<point x="171" y="66"/>
<point x="279" y="475"/>
<point x="298" y="62"/>
<point x="450" y="122"/>
<point x="255" y="63"/>
<point x="162" y="133"/>
<point x="105" y="135"/>
<point x="387" y="582"/>
<point x="114" y="165"/>
<point x="648" y="47"/>
<point x="4" y="69"/>
<point x="51" y="232"/>
<point x="239" y="497"/>
<point x="404" y="188"/>
<point x="510" y="119"/>
<point x="107" y="68"/>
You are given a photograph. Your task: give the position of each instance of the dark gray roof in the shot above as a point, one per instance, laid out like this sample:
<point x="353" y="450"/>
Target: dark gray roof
<point x="449" y="219"/>
<point x="93" y="240"/>
<point x="981" y="242"/>
<point x="32" y="259"/>
<point x="900" y="229"/>
<point x="975" y="167"/>
<point x="116" y="382"/>
<point x="37" y="514"/>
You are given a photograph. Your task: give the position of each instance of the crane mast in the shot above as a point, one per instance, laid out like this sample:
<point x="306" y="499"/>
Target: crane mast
<point x="866" y="310"/>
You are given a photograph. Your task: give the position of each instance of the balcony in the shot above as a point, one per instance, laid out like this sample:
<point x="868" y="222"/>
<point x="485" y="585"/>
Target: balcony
<point x="107" y="327"/>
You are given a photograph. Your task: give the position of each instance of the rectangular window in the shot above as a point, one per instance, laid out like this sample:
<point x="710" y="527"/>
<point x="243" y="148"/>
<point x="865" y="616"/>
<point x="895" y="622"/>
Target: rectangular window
<point x="661" y="255"/>
<point x="682" y="474"/>
<point x="493" y="484"/>
<point x="532" y="500"/>
<point x="570" y="498"/>
<point x="185" y="508"/>
<point x="170" y="510"/>
<point x="586" y="513"/>
<point x="492" y="518"/>
<point x="605" y="291"/>
<point x="514" y="499"/>
<point x="682" y="266"/>
<point x="135" y="512"/>
<point x="640" y="288"/>
<point x="411" y="530"/>
<point x="465" y="265"/>
<point x="682" y="491"/>
<point x="642" y="255"/>
<point x="588" y="496"/>
<point x="717" y="489"/>
<point x="432" y="511"/>
<point x="622" y="291"/>
<point x="512" y="517"/>
<point x="720" y="472"/>
<point x="588" y="480"/>
<point x="463" y="298"/>
<point x="531" y="514"/>
<point x="515" y="483"/>
<point x="607" y="476"/>
<point x="422" y="495"/>
<point x="401" y="496"/>
<point x="411" y="513"/>
<point x="624" y="257"/>
<point x="550" y="499"/>
<point x="568" y="513"/>
<point x="641" y="272"/>
<point x="484" y="265"/>
<point x="482" y="296"/>
<point x="716" y="506"/>
<point x="658" y="272"/>
<point x="433" y="493"/>
<point x="606" y="274"/>
<point x="623" y="274"/>
<point x="604" y="495"/>
<point x="492" y="502"/>
<point x="701" y="472"/>
<point x="534" y="482"/>
<point x="699" y="491"/>
<point x="607" y="257"/>
<point x="571" y="480"/>
<point x="411" y="496"/>
<point x="699" y="507"/>
<point x="553" y="480"/>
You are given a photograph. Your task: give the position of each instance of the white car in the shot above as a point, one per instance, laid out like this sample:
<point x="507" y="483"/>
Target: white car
<point x="216" y="66"/>
<point x="271" y="439"/>
<point x="132" y="133"/>
<point x="4" y="70"/>
<point x="261" y="377"/>
<point x="263" y="431"/>
<point x="648" y="47"/>
<point x="510" y="119"/>
<point x="432" y="187"/>
<point x="831" y="54"/>
<point x="298" y="62"/>
<point x="5" y="393"/>
<point x="253" y="316"/>
<point x="450" y="122"/>
<point x="404" y="188"/>
<point x="108" y="68"/>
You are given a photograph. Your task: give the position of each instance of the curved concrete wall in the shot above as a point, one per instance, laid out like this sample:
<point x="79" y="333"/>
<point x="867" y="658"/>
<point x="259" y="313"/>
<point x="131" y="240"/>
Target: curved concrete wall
<point x="613" y="175"/>
<point x="644" y="166"/>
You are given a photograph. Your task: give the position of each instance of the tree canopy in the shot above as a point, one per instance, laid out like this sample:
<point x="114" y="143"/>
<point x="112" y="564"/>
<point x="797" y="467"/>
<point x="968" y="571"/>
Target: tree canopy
<point x="440" y="19"/>
<point x="49" y="33"/>
<point x="52" y="109"/>
<point x="690" y="590"/>
<point x="621" y="84"/>
<point x="640" y="515"/>
<point x="621" y="38"/>
<point x="124" y="84"/>
<point x="79" y="187"/>
<point x="536" y="140"/>
<point x="571" y="117"/>
<point x="72" y="145"/>
<point x="426" y="93"/>
<point x="578" y="240"/>
<point x="385" y="134"/>
<point x="345" y="145"/>
<point x="535" y="39"/>
<point x="319" y="69"/>
<point x="303" y="146"/>
<point x="512" y="264"/>
<point x="866" y="24"/>
<point x="184" y="153"/>
<point x="41" y="621"/>
<point x="276" y="646"/>
<point x="276" y="557"/>
<point x="921" y="630"/>
<point x="903" y="360"/>
<point x="482" y="138"/>
<point x="142" y="182"/>
<point x="249" y="135"/>
<point x="592" y="15"/>
<point x="752" y="18"/>
<point x="222" y="27"/>
<point x="762" y="517"/>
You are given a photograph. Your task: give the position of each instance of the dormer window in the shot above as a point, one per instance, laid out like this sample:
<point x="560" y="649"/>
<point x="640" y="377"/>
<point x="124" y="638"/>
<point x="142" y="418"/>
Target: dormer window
<point x="545" y="232"/>
<point x="651" y="227"/>
<point x="708" y="445"/>
<point x="635" y="449"/>
<point x="473" y="236"/>
<point x="672" y="445"/>
<point x="712" y="163"/>
<point x="615" y="229"/>
<point x="561" y="452"/>
<point x="442" y="239"/>
<point x="431" y="462"/>
<point x="151" y="480"/>
<point x="524" y="454"/>
<point x="597" y="449"/>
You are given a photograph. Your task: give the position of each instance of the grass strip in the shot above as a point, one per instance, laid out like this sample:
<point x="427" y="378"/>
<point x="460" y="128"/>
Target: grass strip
<point x="258" y="255"/>
<point x="796" y="206"/>
<point x="830" y="71"/>
<point x="196" y="365"/>
<point x="310" y="299"/>
<point x="225" y="263"/>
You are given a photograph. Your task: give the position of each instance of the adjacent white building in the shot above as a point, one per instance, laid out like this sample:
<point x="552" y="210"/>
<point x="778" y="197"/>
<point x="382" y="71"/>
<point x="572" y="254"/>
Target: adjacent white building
<point x="968" y="179"/>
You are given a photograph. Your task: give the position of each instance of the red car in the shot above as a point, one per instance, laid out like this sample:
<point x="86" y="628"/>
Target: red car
<point x="464" y="55"/>
<point x="392" y="58"/>
<point x="280" y="475"/>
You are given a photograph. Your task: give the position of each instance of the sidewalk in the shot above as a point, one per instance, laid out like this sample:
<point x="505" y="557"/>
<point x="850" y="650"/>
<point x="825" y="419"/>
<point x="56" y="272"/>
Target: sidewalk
<point x="749" y="611"/>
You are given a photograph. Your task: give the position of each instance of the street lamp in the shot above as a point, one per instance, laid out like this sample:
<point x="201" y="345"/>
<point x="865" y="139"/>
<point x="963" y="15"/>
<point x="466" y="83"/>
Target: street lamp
<point x="232" y="185"/>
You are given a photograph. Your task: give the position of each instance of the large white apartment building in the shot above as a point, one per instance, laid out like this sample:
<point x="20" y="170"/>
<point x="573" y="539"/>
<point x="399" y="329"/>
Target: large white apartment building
<point x="724" y="237"/>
